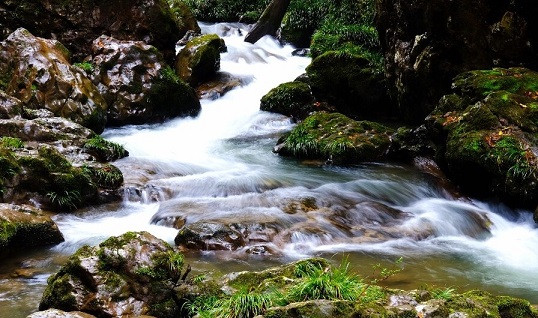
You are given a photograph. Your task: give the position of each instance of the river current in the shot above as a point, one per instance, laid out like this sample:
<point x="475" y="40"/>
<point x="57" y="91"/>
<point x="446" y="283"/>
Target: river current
<point x="219" y="168"/>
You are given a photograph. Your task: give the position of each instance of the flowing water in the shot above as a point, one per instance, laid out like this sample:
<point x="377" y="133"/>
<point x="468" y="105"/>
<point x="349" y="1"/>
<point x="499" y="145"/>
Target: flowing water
<point x="218" y="169"/>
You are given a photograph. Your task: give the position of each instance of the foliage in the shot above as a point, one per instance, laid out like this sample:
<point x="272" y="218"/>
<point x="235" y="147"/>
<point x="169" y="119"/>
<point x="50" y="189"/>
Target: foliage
<point x="106" y="176"/>
<point x="104" y="150"/>
<point x="66" y="199"/>
<point x="11" y="143"/>
<point x="443" y="293"/>
<point x="226" y="10"/>
<point x="85" y="66"/>
<point x="326" y="283"/>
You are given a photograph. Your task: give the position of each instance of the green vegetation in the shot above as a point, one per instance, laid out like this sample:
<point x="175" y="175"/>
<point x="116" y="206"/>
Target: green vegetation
<point x="335" y="136"/>
<point x="105" y="176"/>
<point x="11" y="143"/>
<point x="66" y="199"/>
<point x="227" y="10"/>
<point x="443" y="293"/>
<point x="87" y="67"/>
<point x="104" y="150"/>
<point x="326" y="283"/>
<point x="303" y="281"/>
<point x="290" y="99"/>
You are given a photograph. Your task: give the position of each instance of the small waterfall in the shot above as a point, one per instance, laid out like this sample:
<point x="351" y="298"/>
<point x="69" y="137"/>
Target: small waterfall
<point x="217" y="171"/>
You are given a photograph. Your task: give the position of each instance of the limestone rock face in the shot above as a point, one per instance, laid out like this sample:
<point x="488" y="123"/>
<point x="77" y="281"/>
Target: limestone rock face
<point x="37" y="71"/>
<point x="427" y="43"/>
<point x="77" y="23"/>
<point x="137" y="84"/>
<point x="129" y="275"/>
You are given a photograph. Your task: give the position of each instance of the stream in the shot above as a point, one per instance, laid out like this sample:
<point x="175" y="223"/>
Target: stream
<point x="219" y="169"/>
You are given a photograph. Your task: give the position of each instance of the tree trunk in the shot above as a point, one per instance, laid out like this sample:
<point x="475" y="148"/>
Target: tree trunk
<point x="269" y="21"/>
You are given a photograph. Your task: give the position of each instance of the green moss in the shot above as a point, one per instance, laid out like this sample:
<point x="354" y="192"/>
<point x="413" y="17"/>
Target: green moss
<point x="7" y="231"/>
<point x="53" y="160"/>
<point x="11" y="143"/>
<point x="333" y="135"/>
<point x="87" y="67"/>
<point x="104" y="150"/>
<point x="104" y="176"/>
<point x="59" y="293"/>
<point x="291" y="98"/>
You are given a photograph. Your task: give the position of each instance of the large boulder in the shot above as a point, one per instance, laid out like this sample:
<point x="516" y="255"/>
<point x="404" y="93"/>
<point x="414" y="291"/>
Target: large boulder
<point x="34" y="171"/>
<point x="292" y="99"/>
<point x="37" y="71"/>
<point x="199" y="60"/>
<point x="137" y="84"/>
<point x="129" y="275"/>
<point x="427" y="43"/>
<point x="24" y="226"/>
<point x="351" y="83"/>
<point x="486" y="134"/>
<point x="9" y="106"/>
<point x="336" y="138"/>
<point x="77" y="23"/>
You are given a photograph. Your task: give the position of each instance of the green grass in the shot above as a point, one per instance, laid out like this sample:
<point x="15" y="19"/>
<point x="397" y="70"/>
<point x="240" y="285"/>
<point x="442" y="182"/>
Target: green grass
<point x="326" y="283"/>
<point x="443" y="293"/>
<point x="67" y="199"/>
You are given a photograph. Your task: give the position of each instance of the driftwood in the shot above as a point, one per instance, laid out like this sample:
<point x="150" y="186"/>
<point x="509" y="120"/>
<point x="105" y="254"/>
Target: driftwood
<point x="269" y="21"/>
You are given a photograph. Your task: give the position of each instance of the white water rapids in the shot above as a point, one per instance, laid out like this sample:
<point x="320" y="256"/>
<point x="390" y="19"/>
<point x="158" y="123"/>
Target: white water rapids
<point x="219" y="167"/>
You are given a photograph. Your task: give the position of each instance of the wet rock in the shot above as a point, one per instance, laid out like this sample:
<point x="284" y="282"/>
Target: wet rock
<point x="485" y="134"/>
<point x="427" y="43"/>
<point x="56" y="313"/>
<point x="137" y="84"/>
<point x="225" y="236"/>
<point x="337" y="139"/>
<point x="130" y="275"/>
<point x="44" y="129"/>
<point x="40" y="75"/>
<point x="219" y="85"/>
<point x="23" y="226"/>
<point x="351" y="84"/>
<point x="39" y="174"/>
<point x="157" y="22"/>
<point x="292" y="99"/>
<point x="199" y="60"/>
<point x="9" y="106"/>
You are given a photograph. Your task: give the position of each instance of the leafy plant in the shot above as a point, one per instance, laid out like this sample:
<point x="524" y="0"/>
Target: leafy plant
<point x="85" y="66"/>
<point x="326" y="283"/>
<point x="103" y="149"/>
<point x="11" y="142"/>
<point x="381" y="274"/>
<point x="67" y="199"/>
<point x="443" y="293"/>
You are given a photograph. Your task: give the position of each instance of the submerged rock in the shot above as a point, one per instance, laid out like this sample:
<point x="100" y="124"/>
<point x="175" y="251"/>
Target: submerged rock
<point x="37" y="71"/>
<point x="130" y="275"/>
<point x="56" y="313"/>
<point x="137" y="84"/>
<point x="485" y="134"/>
<point x="23" y="226"/>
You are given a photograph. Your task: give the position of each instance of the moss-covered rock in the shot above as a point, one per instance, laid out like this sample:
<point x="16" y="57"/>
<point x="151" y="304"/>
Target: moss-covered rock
<point x="104" y="150"/>
<point x="335" y="137"/>
<point x="41" y="77"/>
<point x="138" y="84"/>
<point x="199" y="60"/>
<point x="24" y="226"/>
<point x="486" y="134"/>
<point x="132" y="274"/>
<point x="291" y="99"/>
<point x="351" y="83"/>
